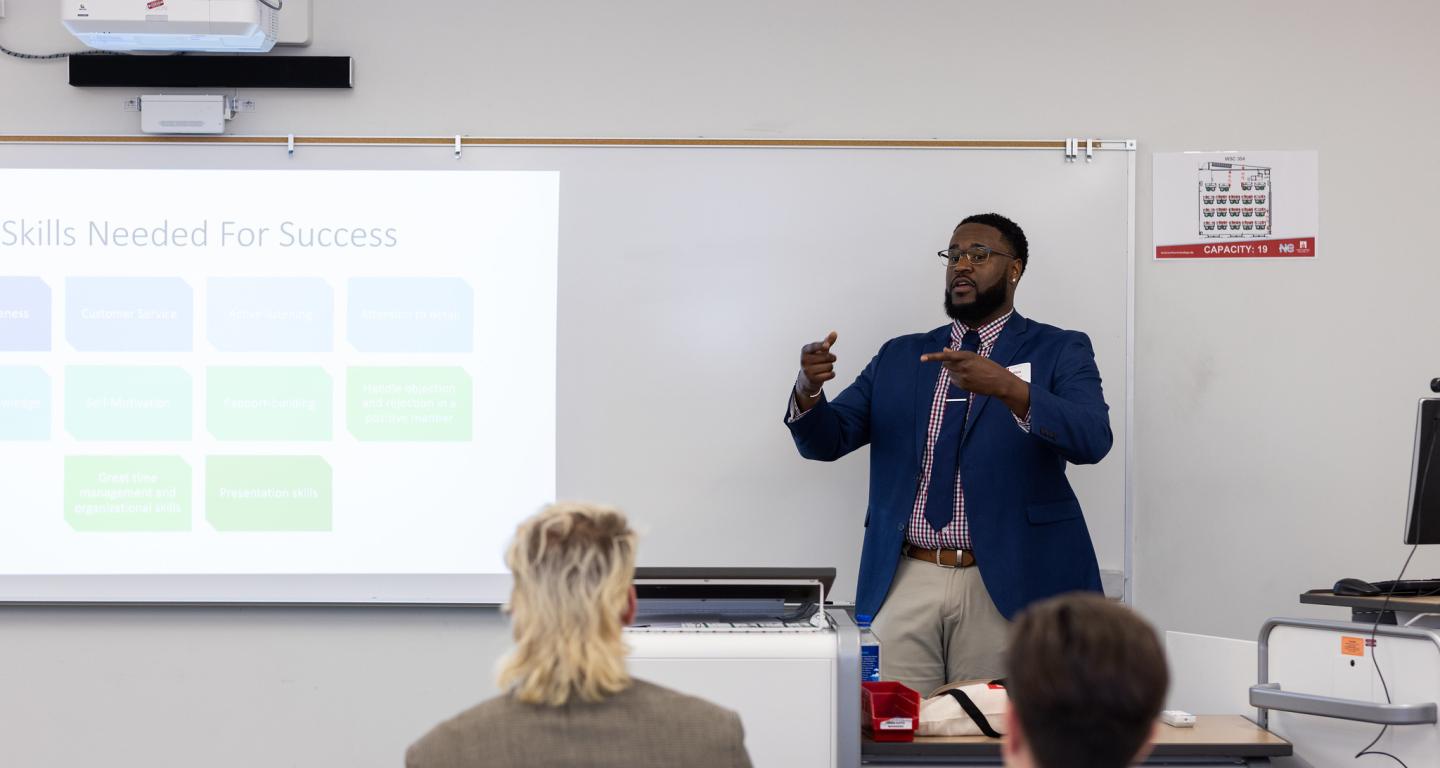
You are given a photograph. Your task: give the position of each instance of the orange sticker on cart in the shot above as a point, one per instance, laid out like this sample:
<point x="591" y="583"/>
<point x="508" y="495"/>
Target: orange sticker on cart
<point x="1352" y="646"/>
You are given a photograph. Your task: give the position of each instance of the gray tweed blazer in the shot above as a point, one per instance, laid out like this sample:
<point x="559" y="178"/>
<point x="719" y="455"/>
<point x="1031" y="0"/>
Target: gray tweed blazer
<point x="644" y="726"/>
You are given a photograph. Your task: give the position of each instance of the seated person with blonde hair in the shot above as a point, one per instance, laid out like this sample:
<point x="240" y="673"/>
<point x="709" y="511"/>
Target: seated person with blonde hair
<point x="1087" y="680"/>
<point x="568" y="699"/>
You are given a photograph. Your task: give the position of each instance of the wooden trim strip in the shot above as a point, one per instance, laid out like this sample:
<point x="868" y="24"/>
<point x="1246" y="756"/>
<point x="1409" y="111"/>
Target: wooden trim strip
<point x="479" y="141"/>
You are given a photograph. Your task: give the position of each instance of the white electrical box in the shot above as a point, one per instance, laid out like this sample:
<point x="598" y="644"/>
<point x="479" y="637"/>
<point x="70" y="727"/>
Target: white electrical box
<point x="297" y="18"/>
<point x="186" y="113"/>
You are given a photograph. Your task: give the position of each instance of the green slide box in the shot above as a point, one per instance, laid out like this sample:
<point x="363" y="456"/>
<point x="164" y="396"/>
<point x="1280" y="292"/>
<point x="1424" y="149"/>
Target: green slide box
<point x="123" y="402"/>
<point x="409" y="404"/>
<point x="127" y="493"/>
<point x="267" y="493"/>
<point x="268" y="403"/>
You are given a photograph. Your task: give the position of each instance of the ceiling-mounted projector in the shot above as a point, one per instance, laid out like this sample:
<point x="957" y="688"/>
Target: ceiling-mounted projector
<point x="216" y="26"/>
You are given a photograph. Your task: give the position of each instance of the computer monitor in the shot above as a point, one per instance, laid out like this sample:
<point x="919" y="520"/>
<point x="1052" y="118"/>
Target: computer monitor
<point x="1422" y="518"/>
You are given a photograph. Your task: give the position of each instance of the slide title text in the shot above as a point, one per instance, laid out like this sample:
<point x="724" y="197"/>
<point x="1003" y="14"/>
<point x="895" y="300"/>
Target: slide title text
<point x="209" y="233"/>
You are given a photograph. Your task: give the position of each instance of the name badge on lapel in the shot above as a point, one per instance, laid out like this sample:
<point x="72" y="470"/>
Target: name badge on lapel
<point x="1021" y="371"/>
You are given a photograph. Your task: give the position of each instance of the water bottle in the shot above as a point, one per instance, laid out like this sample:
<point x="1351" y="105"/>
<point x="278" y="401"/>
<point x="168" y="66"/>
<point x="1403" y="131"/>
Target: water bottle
<point x="869" y="650"/>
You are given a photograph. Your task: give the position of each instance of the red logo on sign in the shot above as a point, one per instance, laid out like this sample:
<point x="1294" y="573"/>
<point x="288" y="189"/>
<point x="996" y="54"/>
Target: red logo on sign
<point x="153" y="4"/>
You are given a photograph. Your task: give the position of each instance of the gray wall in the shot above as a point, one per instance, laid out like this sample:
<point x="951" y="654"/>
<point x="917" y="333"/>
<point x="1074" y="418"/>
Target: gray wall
<point x="1274" y="402"/>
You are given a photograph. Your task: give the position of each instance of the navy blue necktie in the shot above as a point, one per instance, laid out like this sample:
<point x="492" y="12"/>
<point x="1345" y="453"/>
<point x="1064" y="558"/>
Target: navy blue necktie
<point x="945" y="460"/>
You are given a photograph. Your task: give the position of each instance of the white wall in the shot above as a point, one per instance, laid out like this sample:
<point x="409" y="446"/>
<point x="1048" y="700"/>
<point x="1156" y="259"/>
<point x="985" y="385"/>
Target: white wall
<point x="1274" y="401"/>
<point x="242" y="687"/>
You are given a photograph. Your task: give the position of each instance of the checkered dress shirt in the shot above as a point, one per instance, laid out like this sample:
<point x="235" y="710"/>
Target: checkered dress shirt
<point x="956" y="534"/>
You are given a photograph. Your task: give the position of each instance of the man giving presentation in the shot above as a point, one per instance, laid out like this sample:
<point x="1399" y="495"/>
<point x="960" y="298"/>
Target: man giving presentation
<point x="970" y="516"/>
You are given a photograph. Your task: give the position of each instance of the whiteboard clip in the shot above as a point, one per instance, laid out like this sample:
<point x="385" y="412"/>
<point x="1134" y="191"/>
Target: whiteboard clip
<point x="458" y="146"/>
<point x="1070" y="149"/>
<point x="1089" y="150"/>
<point x="290" y="145"/>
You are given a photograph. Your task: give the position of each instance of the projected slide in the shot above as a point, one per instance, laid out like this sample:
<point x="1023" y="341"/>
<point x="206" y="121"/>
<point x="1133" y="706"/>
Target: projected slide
<point x="273" y="372"/>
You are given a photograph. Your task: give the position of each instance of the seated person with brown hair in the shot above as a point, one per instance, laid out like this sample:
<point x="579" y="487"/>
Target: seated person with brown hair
<point x="1087" y="681"/>
<point x="568" y="698"/>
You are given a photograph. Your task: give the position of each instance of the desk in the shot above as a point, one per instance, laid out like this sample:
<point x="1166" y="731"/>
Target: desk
<point x="1401" y="610"/>
<point x="1317" y="692"/>
<point x="1215" y="740"/>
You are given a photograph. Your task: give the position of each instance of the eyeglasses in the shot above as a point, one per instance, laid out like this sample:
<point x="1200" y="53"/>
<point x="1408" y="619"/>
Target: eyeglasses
<point x="975" y="254"/>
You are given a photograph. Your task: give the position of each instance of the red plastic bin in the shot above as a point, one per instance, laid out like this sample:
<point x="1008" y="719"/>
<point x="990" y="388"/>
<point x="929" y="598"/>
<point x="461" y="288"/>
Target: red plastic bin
<point x="890" y="711"/>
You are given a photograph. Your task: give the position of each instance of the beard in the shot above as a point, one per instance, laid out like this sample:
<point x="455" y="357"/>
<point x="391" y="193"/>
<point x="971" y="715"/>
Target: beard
<point x="986" y="301"/>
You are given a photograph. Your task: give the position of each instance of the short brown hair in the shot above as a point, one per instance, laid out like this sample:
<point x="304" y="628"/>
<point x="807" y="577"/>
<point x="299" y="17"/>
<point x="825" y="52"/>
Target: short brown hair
<point x="1087" y="679"/>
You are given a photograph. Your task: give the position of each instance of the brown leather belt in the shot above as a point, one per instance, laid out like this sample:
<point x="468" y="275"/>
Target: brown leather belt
<point x="945" y="558"/>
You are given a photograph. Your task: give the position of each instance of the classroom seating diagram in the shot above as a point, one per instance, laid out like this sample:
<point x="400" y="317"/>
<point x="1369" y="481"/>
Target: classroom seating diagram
<point x="1234" y="201"/>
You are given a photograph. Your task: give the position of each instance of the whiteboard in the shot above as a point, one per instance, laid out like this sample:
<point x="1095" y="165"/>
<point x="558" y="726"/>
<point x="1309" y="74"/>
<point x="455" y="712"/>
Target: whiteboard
<point x="689" y="277"/>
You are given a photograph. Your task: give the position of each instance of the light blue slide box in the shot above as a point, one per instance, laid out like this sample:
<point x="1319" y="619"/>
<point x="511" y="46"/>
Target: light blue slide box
<point x="24" y="314"/>
<point x="270" y="314"/>
<point x="129" y="314"/>
<point x="411" y="314"/>
<point x="24" y="403"/>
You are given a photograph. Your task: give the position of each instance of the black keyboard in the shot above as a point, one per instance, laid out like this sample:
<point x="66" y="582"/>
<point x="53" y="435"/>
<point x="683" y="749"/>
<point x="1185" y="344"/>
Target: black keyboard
<point x="1409" y="587"/>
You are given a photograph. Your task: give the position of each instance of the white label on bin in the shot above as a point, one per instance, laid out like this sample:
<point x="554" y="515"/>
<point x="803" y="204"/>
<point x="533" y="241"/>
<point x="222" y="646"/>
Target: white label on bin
<point x="898" y="724"/>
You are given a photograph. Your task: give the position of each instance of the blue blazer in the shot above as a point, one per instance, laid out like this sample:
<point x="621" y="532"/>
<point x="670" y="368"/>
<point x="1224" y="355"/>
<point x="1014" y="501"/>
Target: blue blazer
<point x="1026" y="527"/>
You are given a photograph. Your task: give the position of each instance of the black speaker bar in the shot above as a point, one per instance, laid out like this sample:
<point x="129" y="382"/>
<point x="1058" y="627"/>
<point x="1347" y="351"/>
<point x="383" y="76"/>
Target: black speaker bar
<point x="187" y="71"/>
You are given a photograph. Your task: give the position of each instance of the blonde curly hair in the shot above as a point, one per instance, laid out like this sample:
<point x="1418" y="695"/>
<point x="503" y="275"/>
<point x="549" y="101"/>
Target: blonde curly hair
<point x="573" y="564"/>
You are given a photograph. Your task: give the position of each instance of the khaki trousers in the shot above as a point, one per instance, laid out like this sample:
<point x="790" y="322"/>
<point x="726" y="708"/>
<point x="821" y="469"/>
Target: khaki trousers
<point x="938" y="625"/>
